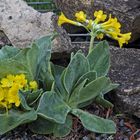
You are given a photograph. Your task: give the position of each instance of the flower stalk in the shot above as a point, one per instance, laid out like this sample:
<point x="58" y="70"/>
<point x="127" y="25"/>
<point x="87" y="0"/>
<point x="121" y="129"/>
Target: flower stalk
<point x="91" y="43"/>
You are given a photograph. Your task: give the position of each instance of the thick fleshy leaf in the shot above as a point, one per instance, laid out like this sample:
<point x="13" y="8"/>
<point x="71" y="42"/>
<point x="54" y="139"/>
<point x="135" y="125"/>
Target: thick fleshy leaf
<point x="90" y="76"/>
<point x="99" y="59"/>
<point x="74" y="98"/>
<point x="52" y="107"/>
<point x="33" y="96"/>
<point x="29" y="98"/>
<point x="11" y="67"/>
<point x="8" y="52"/>
<point x="77" y="67"/>
<point x="95" y="123"/>
<point x="28" y="57"/>
<point x="109" y="87"/>
<point x="61" y="130"/>
<point x="15" y="118"/>
<point x="23" y="101"/>
<point x="85" y="104"/>
<point x="44" y="44"/>
<point x="100" y="99"/>
<point x="103" y="102"/>
<point x="58" y="73"/>
<point x="44" y="73"/>
<point x="42" y="126"/>
<point x="92" y="90"/>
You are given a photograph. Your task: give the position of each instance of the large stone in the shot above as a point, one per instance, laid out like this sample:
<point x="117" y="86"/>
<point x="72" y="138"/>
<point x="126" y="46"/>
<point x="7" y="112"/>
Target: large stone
<point x="21" y="24"/>
<point x="125" y="70"/>
<point x="127" y="11"/>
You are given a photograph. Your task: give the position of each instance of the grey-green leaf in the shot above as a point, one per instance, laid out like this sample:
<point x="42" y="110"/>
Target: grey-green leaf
<point x="58" y="73"/>
<point x="23" y="101"/>
<point x="44" y="73"/>
<point x="42" y="126"/>
<point x="110" y="87"/>
<point x="52" y="107"/>
<point x="93" y="89"/>
<point x="95" y="123"/>
<point x="103" y="102"/>
<point x="77" y="67"/>
<point x="100" y="99"/>
<point x="11" y="67"/>
<point x="74" y="98"/>
<point x="99" y="59"/>
<point x="33" y="96"/>
<point x="90" y="76"/>
<point x="8" y="52"/>
<point x="61" y="130"/>
<point x="15" y="118"/>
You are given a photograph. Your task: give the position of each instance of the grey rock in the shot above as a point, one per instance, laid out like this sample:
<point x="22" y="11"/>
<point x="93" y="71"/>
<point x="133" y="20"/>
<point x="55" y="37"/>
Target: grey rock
<point x="22" y="24"/>
<point x="127" y="11"/>
<point x="62" y="42"/>
<point x="125" y="70"/>
<point x="4" y="39"/>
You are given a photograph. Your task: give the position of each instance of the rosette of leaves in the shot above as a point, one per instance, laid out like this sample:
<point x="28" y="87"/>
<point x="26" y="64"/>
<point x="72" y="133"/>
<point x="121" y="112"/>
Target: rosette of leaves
<point x="82" y="82"/>
<point x="34" y="62"/>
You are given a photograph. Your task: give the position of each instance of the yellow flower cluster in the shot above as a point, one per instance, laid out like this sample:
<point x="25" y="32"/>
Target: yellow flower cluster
<point x="9" y="88"/>
<point x="98" y="26"/>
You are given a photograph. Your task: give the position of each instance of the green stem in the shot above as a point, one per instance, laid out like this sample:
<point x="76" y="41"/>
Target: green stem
<point x="91" y="43"/>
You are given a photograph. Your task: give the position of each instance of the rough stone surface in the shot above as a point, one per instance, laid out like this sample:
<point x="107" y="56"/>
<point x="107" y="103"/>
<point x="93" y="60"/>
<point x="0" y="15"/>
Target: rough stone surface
<point x="22" y="24"/>
<point x="62" y="43"/>
<point x="4" y="39"/>
<point x="125" y="70"/>
<point x="127" y="11"/>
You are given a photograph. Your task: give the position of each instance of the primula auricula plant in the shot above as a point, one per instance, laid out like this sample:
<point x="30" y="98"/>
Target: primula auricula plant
<point x="39" y="93"/>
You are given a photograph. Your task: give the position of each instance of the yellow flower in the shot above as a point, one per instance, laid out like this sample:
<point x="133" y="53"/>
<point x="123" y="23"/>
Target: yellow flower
<point x="112" y="29"/>
<point x="20" y="80"/>
<point x="90" y="22"/>
<point x="8" y="81"/>
<point x="13" y="96"/>
<point x="111" y="34"/>
<point x="111" y="25"/>
<point x="100" y="16"/>
<point x="2" y="94"/>
<point x="10" y="77"/>
<point x="80" y="16"/>
<point x="9" y="90"/>
<point x="100" y="36"/>
<point x="63" y="19"/>
<point x="33" y="85"/>
<point x="123" y="39"/>
<point x="4" y="105"/>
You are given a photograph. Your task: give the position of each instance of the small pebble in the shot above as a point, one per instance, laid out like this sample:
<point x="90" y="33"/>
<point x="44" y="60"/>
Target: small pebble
<point x="121" y="123"/>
